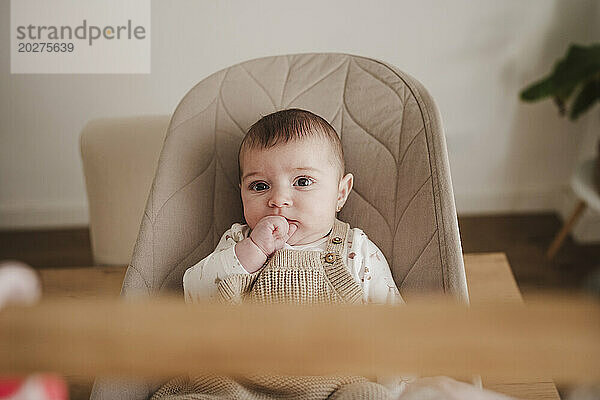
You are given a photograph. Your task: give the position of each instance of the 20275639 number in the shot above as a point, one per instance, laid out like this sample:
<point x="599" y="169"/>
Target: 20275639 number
<point x="41" y="47"/>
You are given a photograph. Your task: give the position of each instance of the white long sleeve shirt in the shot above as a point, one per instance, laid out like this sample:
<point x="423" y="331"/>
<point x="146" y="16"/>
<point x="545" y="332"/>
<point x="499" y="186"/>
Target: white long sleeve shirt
<point x="364" y="260"/>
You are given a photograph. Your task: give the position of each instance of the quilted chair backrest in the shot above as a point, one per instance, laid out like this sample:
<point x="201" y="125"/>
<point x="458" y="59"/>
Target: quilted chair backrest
<point x="393" y="142"/>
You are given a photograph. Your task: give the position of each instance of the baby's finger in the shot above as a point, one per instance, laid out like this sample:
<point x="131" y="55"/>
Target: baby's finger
<point x="279" y="224"/>
<point x="292" y="229"/>
<point x="280" y="227"/>
<point x="280" y="235"/>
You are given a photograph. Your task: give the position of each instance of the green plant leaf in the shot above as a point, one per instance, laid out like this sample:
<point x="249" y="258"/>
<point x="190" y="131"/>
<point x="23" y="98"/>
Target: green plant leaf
<point x="580" y="64"/>
<point x="585" y="98"/>
<point x="539" y="90"/>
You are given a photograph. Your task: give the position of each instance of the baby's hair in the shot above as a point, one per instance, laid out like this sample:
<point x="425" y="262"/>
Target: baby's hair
<point x="289" y="125"/>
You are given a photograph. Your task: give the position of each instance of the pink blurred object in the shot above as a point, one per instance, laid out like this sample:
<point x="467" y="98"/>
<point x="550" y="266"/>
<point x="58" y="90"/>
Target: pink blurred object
<point x="446" y="388"/>
<point x="34" y="387"/>
<point x="20" y="285"/>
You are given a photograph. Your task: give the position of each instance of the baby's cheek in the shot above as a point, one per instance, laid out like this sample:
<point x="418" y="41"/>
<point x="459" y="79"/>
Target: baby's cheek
<point x="250" y="216"/>
<point x="251" y="223"/>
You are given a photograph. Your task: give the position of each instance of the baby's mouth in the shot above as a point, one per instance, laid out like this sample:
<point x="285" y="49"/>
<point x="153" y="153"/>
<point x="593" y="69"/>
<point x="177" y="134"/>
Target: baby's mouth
<point x="291" y="221"/>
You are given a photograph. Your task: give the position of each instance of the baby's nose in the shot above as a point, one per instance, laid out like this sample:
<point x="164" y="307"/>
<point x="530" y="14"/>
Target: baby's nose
<point x="279" y="199"/>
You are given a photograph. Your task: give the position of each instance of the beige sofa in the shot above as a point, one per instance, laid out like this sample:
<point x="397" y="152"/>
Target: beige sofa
<point x="394" y="144"/>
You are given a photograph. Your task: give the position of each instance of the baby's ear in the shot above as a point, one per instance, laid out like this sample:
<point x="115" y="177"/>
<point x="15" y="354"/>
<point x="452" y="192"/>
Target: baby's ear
<point x="345" y="188"/>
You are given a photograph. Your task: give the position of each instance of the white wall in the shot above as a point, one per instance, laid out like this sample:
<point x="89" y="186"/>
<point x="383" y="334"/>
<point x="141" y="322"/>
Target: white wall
<point x="473" y="55"/>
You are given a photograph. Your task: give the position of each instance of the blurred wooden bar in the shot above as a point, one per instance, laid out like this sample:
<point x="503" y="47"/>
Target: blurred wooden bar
<point x="559" y="337"/>
<point x="489" y="277"/>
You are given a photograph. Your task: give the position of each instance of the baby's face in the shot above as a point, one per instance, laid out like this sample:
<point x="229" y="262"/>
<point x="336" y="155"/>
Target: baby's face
<point x="298" y="180"/>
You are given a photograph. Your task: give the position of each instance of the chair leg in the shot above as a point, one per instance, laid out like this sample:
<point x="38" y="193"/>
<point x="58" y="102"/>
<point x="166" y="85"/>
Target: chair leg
<point x="560" y="236"/>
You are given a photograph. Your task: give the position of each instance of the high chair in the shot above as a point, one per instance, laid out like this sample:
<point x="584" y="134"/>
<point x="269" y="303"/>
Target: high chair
<point x="394" y="144"/>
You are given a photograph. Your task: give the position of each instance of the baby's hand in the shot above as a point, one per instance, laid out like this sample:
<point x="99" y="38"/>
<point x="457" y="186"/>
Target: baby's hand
<point x="268" y="236"/>
<point x="271" y="232"/>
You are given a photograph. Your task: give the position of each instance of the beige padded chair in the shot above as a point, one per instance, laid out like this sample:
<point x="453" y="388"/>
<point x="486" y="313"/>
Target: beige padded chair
<point x="394" y="145"/>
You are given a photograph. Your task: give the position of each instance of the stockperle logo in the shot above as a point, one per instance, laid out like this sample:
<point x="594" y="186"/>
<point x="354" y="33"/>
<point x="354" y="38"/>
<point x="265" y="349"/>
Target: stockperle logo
<point x="74" y="36"/>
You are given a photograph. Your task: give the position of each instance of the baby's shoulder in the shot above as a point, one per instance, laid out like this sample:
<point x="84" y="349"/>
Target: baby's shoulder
<point x="357" y="235"/>
<point x="237" y="232"/>
<point x="358" y="239"/>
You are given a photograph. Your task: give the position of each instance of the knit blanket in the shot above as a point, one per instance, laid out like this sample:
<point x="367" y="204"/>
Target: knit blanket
<point x="261" y="387"/>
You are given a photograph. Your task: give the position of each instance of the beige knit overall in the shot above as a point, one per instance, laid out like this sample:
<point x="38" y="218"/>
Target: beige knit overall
<point x="289" y="276"/>
<point x="298" y="277"/>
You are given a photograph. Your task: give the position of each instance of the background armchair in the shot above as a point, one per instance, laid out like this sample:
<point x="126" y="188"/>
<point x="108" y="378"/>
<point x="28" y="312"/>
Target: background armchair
<point x="119" y="158"/>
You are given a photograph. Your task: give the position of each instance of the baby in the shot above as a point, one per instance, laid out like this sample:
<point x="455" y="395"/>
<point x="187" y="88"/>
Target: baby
<point x="293" y="182"/>
<point x="293" y="248"/>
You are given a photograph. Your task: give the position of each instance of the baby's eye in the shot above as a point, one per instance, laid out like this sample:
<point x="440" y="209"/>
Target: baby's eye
<point x="303" y="181"/>
<point x="258" y="186"/>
